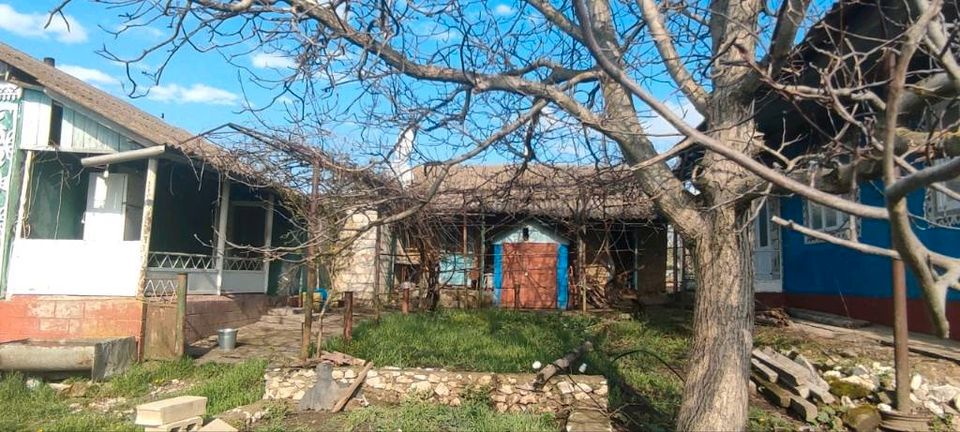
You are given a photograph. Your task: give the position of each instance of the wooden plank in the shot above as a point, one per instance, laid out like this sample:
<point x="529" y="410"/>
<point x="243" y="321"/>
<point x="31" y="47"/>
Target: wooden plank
<point x="353" y="388"/>
<point x="774" y="393"/>
<point x="788" y="371"/>
<point x="764" y="370"/>
<point x="827" y="318"/>
<point x="560" y="364"/>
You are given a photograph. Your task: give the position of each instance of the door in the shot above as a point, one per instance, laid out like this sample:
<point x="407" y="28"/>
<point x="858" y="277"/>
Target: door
<point x="766" y="249"/>
<point x="529" y="276"/>
<point x="103" y="219"/>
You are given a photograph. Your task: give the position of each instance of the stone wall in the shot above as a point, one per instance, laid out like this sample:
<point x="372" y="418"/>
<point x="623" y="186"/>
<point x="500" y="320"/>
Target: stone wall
<point x="354" y="271"/>
<point x="507" y="392"/>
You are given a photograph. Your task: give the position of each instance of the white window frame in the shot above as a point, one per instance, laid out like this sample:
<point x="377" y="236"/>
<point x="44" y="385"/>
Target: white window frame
<point x="938" y="207"/>
<point x="844" y="225"/>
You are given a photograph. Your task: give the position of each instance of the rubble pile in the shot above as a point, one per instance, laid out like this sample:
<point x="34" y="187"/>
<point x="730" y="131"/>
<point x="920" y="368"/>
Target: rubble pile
<point x="854" y="394"/>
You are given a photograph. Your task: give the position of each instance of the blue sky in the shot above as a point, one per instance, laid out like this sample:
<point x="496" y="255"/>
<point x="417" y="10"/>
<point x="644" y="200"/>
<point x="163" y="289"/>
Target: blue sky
<point x="200" y="91"/>
<point x="197" y="92"/>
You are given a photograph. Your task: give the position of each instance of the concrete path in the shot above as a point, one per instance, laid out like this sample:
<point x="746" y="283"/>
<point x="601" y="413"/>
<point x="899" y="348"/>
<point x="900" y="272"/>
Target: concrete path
<point x="276" y="338"/>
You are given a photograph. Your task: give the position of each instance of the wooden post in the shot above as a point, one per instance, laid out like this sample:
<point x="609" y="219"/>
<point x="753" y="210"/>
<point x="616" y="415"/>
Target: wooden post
<point x="267" y="241"/>
<point x="516" y="296"/>
<point x="901" y="335"/>
<point x="146" y="220"/>
<point x="405" y="306"/>
<point x="348" y="316"/>
<point x="181" y="342"/>
<point x="481" y="268"/>
<point x="676" y="262"/>
<point x="466" y="270"/>
<point x="581" y="269"/>
<point x="312" y="233"/>
<point x="376" y="271"/>
<point x="224" y="211"/>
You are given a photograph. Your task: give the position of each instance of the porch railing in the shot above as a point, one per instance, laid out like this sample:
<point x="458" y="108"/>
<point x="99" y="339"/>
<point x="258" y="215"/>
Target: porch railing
<point x="176" y="261"/>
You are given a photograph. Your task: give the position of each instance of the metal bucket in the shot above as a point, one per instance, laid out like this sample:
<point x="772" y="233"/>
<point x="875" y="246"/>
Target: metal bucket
<point x="227" y="339"/>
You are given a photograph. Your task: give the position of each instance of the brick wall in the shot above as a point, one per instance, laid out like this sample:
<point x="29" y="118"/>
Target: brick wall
<point x="69" y="317"/>
<point x="208" y="313"/>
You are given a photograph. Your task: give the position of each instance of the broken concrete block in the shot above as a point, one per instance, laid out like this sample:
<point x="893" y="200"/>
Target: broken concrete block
<point x="171" y="410"/>
<point x="218" y="425"/>
<point x="189" y="424"/>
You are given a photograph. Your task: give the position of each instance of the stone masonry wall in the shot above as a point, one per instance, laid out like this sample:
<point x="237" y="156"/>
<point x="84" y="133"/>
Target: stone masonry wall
<point x="508" y="392"/>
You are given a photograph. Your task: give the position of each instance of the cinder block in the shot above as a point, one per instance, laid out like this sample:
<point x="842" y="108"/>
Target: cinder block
<point x="218" y="425"/>
<point x="168" y="411"/>
<point x="185" y="425"/>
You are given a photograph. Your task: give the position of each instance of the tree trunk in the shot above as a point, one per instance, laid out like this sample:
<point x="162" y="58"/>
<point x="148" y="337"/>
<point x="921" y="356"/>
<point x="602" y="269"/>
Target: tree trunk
<point x="715" y="395"/>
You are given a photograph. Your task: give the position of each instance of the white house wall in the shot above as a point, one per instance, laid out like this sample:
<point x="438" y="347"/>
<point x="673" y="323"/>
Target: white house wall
<point x="74" y="267"/>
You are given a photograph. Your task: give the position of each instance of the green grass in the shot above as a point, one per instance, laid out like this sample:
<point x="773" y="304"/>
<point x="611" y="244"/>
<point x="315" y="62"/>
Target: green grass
<point x="226" y="386"/>
<point x="25" y="409"/>
<point x="486" y="340"/>
<point x="423" y="416"/>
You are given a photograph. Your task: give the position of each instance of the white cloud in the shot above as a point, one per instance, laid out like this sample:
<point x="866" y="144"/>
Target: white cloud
<point x="503" y="10"/>
<point x="92" y="76"/>
<point x="196" y="93"/>
<point x="64" y="28"/>
<point x="662" y="133"/>
<point x="272" y="60"/>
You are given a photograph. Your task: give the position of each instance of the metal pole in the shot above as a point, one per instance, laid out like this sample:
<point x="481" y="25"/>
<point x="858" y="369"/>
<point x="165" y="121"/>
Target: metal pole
<point x="901" y="350"/>
<point x="348" y="316"/>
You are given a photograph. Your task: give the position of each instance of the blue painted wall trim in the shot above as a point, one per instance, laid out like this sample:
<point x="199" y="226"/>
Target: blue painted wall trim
<point x="825" y="269"/>
<point x="562" y="257"/>
<point x="497" y="272"/>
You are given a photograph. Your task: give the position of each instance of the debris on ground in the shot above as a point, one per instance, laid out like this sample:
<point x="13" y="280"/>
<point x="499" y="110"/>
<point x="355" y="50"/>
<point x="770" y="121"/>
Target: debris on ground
<point x="855" y="395"/>
<point x="774" y="317"/>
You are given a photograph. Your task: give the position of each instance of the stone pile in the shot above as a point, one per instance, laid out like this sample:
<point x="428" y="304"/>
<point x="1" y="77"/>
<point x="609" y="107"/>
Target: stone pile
<point x="858" y="392"/>
<point x="507" y="392"/>
<point x="876" y="383"/>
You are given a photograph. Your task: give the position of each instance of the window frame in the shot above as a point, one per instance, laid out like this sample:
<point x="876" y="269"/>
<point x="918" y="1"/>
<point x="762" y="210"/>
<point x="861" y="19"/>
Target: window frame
<point x="845" y="226"/>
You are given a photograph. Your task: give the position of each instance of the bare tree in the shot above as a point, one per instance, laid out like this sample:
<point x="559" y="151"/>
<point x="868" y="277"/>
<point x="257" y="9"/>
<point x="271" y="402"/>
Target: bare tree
<point x="471" y="78"/>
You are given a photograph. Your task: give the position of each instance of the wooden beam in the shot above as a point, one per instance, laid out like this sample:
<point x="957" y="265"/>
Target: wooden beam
<point x="267" y="241"/>
<point x="223" y="214"/>
<point x="146" y="220"/>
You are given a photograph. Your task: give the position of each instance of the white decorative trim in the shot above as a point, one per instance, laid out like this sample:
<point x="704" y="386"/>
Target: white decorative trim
<point x="930" y="212"/>
<point x="10" y="92"/>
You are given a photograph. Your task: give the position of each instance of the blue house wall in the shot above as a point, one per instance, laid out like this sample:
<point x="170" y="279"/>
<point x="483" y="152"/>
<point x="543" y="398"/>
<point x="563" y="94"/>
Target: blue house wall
<point x="820" y="275"/>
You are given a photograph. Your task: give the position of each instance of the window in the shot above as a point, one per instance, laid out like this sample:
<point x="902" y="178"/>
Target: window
<point x="939" y="207"/>
<point x="828" y="220"/>
<point x="56" y="123"/>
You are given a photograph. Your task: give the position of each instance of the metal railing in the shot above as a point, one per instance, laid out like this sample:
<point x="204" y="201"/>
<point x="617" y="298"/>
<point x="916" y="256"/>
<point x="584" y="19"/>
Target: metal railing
<point x="176" y="261"/>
